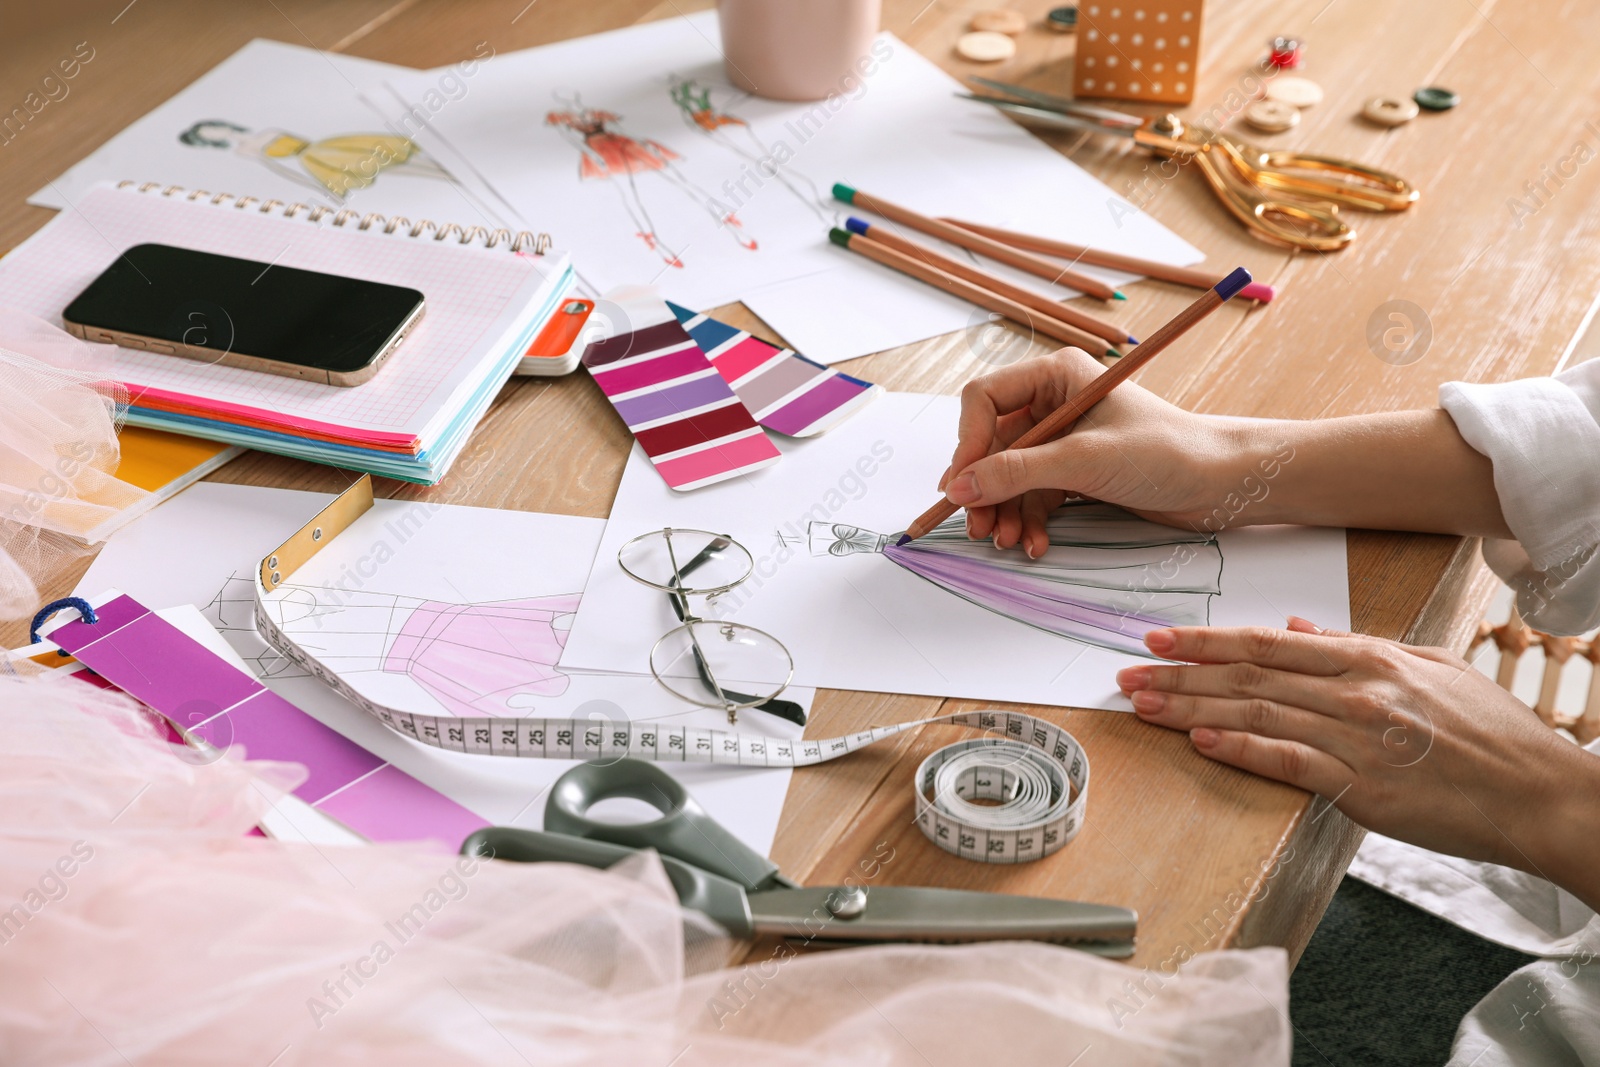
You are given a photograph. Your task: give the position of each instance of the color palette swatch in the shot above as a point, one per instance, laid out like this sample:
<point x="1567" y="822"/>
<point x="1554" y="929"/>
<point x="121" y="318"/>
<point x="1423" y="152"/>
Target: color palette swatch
<point x="207" y="697"/>
<point x="691" y="424"/>
<point x="786" y="392"/>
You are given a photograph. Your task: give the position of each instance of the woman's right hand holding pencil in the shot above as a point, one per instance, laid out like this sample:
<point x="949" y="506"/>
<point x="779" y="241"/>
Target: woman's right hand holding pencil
<point x="1132" y="449"/>
<point x="1398" y="470"/>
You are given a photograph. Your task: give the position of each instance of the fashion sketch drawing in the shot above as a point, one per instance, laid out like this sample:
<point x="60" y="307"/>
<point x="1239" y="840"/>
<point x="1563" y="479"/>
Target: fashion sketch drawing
<point x="697" y="103"/>
<point x="334" y="166"/>
<point x="1107" y="579"/>
<point x="608" y="152"/>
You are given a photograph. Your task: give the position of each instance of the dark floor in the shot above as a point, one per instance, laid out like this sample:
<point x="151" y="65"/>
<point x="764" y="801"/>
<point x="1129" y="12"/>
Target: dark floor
<point x="1383" y="982"/>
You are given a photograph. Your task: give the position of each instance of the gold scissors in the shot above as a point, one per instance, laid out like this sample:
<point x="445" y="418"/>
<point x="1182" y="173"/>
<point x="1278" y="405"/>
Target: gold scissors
<point x="1283" y="198"/>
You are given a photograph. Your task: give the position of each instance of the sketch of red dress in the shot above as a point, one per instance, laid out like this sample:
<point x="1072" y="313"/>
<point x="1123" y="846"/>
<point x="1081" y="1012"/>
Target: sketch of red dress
<point x="607" y="153"/>
<point x="477" y="659"/>
<point x="610" y="154"/>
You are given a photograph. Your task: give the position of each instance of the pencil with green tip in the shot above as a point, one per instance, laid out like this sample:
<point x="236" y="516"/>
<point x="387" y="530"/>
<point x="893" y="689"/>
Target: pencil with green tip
<point x="1061" y="419"/>
<point x="1111" y="332"/>
<point x="977" y="242"/>
<point x="1035" y="320"/>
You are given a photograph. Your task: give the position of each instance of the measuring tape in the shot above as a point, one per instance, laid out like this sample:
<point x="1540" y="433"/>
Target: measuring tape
<point x="1033" y="775"/>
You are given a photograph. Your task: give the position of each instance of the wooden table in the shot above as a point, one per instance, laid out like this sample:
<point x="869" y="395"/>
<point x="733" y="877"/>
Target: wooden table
<point x="1210" y="857"/>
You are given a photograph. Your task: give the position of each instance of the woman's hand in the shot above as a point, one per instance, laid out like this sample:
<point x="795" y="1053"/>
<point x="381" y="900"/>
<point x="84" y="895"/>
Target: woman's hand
<point x="1132" y="449"/>
<point x="1409" y="742"/>
<point x="1400" y="470"/>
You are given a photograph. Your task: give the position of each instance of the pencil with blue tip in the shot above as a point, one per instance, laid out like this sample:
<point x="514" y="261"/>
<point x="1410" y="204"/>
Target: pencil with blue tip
<point x="1110" y="331"/>
<point x="1061" y="419"/>
<point x="1037" y="321"/>
<point x="977" y="242"/>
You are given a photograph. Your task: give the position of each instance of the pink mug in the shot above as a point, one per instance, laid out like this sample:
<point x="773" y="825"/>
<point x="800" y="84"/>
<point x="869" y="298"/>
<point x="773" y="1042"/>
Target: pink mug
<point x="796" y="49"/>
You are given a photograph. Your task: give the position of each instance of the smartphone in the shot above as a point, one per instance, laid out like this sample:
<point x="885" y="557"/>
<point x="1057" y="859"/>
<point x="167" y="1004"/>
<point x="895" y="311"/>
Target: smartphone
<point x="241" y="313"/>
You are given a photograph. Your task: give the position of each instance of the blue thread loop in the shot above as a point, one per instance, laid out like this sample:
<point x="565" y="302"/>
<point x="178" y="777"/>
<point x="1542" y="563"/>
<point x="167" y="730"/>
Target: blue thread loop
<point x="84" y="608"/>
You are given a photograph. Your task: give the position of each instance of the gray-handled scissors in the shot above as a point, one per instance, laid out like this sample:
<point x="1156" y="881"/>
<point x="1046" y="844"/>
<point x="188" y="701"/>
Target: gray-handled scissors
<point x="742" y="891"/>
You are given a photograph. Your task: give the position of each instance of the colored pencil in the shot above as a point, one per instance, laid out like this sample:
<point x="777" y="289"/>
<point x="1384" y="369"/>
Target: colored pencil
<point x="976" y="294"/>
<point x="995" y="284"/>
<point x="1099" y="257"/>
<point x="1061" y="419"/>
<point x="977" y="242"/>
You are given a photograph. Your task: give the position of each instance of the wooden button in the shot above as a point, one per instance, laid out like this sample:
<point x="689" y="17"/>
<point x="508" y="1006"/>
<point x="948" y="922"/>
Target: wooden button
<point x="1062" y="19"/>
<point x="1272" y="116"/>
<point x="1001" y="20"/>
<point x="1298" y="92"/>
<point x="1436" y="99"/>
<point x="1389" y="111"/>
<point x="985" y="46"/>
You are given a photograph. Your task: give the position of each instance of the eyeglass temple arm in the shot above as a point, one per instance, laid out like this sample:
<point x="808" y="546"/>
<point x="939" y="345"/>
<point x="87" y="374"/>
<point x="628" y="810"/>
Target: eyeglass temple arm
<point x="783" y="709"/>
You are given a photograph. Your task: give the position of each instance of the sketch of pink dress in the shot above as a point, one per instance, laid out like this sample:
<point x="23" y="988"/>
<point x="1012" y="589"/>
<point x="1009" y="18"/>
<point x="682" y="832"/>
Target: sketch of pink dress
<point x="607" y="152"/>
<point x="1107" y="579"/>
<point x="476" y="658"/>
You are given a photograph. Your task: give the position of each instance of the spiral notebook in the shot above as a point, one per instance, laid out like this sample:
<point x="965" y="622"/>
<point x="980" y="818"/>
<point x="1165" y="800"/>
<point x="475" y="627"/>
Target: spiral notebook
<point x="488" y="294"/>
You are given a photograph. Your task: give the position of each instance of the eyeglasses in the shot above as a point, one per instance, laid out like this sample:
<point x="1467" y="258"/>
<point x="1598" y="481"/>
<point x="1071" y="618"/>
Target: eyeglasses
<point x="710" y="662"/>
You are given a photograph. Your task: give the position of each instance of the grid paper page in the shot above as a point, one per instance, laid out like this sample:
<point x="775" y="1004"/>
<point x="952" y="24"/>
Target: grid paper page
<point x="473" y="295"/>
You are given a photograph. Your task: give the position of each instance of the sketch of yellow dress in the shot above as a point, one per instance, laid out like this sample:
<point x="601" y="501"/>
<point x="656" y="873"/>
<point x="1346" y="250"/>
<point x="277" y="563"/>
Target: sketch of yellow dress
<point x="336" y="165"/>
<point x="1107" y="579"/>
<point x="607" y="152"/>
<point x="719" y="124"/>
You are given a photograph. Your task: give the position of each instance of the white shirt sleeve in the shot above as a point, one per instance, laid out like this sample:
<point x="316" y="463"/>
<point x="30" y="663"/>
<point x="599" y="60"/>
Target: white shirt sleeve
<point x="1543" y="437"/>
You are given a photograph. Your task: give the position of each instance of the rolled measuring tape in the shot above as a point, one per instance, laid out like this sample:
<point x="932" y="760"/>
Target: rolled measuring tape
<point x="1032" y="776"/>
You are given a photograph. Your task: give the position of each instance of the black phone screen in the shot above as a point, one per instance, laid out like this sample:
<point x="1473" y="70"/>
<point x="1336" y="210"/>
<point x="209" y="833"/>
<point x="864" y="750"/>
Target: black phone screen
<point x="300" y="317"/>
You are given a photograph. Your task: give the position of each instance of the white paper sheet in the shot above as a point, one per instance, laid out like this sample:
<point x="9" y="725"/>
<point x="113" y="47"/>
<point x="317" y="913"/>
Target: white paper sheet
<point x="584" y="139"/>
<point x="264" y="90"/>
<point x="861" y="621"/>
<point x="203" y="546"/>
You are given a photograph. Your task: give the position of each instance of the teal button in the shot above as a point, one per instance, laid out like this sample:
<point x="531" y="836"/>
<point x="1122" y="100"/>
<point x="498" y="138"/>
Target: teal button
<point x="1062" y="18"/>
<point x="1436" y="99"/>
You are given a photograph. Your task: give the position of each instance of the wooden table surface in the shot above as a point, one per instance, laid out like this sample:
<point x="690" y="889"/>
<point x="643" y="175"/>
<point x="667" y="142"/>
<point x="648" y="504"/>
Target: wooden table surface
<point x="1209" y="856"/>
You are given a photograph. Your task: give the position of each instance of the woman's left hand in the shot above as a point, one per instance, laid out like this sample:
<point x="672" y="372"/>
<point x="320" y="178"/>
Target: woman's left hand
<point x="1409" y="742"/>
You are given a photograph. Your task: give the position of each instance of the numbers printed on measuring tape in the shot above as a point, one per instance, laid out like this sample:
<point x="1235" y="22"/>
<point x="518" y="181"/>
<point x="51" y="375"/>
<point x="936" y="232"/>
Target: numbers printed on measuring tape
<point x="1031" y="776"/>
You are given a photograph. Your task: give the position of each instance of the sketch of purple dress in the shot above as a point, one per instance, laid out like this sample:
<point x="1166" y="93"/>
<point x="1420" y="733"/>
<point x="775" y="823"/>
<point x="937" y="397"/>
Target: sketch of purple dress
<point x="475" y="659"/>
<point x="1107" y="579"/>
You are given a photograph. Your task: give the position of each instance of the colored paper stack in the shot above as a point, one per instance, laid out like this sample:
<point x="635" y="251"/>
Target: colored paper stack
<point x="482" y="307"/>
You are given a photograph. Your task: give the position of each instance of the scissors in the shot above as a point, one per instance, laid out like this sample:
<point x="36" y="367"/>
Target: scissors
<point x="1284" y="198"/>
<point x="741" y="890"/>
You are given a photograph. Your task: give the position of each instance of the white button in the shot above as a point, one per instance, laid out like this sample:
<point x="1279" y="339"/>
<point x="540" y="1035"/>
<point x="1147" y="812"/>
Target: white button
<point x="986" y="46"/>
<point x="1298" y="92"/>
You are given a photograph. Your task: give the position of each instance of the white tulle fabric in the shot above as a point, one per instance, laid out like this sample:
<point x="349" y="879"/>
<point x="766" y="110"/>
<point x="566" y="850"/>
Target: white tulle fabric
<point x="139" y="925"/>
<point x="58" y="453"/>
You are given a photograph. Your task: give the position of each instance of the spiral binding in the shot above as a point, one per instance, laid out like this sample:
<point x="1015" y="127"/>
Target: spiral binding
<point x="522" y="240"/>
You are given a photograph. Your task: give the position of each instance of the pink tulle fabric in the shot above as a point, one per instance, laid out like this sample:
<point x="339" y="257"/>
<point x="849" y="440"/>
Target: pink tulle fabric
<point x="58" y="453"/>
<point x="138" y="925"/>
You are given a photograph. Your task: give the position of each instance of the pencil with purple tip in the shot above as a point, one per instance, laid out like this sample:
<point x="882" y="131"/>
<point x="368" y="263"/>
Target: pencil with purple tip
<point x="1061" y="419"/>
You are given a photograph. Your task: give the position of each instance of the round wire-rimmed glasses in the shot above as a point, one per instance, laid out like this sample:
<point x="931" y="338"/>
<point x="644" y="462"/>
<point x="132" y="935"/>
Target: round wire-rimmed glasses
<point x="713" y="663"/>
